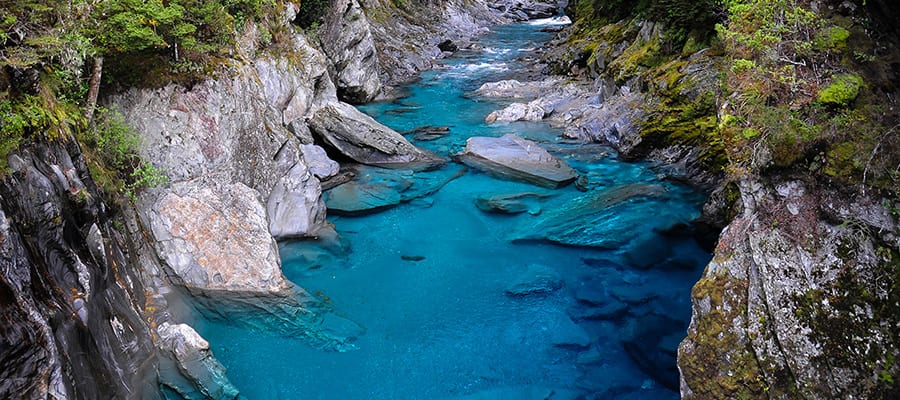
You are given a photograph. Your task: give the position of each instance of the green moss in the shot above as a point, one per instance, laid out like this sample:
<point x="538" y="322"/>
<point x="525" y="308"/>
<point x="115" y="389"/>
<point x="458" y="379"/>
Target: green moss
<point x="843" y="161"/>
<point x="702" y="366"/>
<point x="832" y="38"/>
<point x="842" y="90"/>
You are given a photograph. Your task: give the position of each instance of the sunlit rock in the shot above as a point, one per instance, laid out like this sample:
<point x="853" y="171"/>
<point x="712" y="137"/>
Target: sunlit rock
<point x="511" y="157"/>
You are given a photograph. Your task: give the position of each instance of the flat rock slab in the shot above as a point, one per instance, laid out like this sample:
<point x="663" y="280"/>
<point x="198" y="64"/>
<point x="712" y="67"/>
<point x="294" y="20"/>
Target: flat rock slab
<point x="374" y="189"/>
<point x="514" y="158"/>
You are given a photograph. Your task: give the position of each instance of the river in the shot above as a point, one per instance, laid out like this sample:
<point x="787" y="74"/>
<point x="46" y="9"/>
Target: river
<point x="429" y="279"/>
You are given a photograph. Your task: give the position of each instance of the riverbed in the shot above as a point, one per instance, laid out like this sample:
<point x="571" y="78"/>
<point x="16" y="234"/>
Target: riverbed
<point x="584" y="293"/>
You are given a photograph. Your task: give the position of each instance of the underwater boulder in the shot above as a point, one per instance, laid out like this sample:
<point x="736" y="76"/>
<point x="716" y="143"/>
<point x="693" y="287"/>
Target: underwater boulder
<point x="537" y="279"/>
<point x="515" y="203"/>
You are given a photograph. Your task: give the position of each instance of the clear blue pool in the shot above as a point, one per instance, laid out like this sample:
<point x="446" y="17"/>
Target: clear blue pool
<point x="444" y="326"/>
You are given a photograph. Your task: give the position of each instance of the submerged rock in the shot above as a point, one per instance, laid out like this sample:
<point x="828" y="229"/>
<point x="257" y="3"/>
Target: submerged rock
<point x="511" y="157"/>
<point x="511" y="203"/>
<point x="429" y="133"/>
<point x="366" y="141"/>
<point x="355" y="198"/>
<point x="523" y="393"/>
<point x="375" y="189"/>
<point x="604" y="219"/>
<point x="641" y="341"/>
<point x="537" y="279"/>
<point x="565" y="332"/>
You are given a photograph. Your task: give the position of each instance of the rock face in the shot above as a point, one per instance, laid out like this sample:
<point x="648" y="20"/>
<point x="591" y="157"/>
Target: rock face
<point x="799" y="304"/>
<point x="347" y="41"/>
<point x="361" y="138"/>
<point x="511" y="157"/>
<point x="407" y="39"/>
<point x="70" y="325"/>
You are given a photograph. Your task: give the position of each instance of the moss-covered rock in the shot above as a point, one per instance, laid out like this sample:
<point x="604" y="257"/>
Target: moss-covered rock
<point x="843" y="89"/>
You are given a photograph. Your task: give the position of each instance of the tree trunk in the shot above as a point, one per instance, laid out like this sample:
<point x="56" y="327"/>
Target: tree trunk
<point x="93" y="89"/>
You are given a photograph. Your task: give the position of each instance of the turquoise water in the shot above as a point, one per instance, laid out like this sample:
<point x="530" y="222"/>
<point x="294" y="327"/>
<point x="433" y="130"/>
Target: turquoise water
<point x="428" y="279"/>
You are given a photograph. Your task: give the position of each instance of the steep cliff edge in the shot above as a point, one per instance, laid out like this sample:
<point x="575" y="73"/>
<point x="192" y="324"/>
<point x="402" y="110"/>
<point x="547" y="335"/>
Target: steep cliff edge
<point x="789" y="111"/>
<point x="71" y="299"/>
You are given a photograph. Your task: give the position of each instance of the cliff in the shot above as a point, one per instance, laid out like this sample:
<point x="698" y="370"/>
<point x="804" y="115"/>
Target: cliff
<point x="786" y="113"/>
<point x="207" y="146"/>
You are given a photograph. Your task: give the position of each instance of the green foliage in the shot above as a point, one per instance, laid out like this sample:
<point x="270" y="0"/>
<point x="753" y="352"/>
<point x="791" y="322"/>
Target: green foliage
<point x="111" y="151"/>
<point x="843" y="89"/>
<point x="113" y="139"/>
<point x="742" y="65"/>
<point x="12" y="127"/>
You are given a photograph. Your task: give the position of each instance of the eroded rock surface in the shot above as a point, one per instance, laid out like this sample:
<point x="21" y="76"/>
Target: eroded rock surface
<point x="366" y="141"/>
<point x="347" y="41"/>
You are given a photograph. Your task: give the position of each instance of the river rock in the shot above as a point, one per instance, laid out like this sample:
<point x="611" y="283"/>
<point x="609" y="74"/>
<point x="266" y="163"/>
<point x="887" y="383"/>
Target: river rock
<point x="511" y="203"/>
<point x="428" y="133"/>
<point x="532" y="392"/>
<point x="193" y="371"/>
<point x="517" y="112"/>
<point x="591" y="293"/>
<point x="346" y="39"/>
<point x="448" y="45"/>
<point x="512" y="88"/>
<point x="511" y="157"/>
<point x="361" y="138"/>
<point x="603" y="219"/>
<point x="295" y="207"/>
<point x="318" y="162"/>
<point x="356" y="198"/>
<point x="611" y="310"/>
<point x="537" y="279"/>
<point x="216" y="237"/>
<point x="375" y="189"/>
<point x="641" y="339"/>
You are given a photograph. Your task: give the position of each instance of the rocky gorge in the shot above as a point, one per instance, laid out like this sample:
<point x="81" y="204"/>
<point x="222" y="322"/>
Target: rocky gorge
<point x="799" y="300"/>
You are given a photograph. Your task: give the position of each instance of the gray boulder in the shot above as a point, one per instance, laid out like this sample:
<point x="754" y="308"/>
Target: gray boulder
<point x="361" y="138"/>
<point x="295" y="207"/>
<point x="512" y="88"/>
<point x="517" y="112"/>
<point x="319" y="164"/>
<point x="216" y="237"/>
<point x="511" y="157"/>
